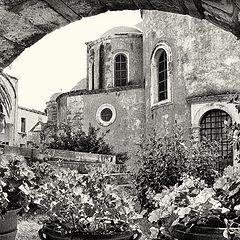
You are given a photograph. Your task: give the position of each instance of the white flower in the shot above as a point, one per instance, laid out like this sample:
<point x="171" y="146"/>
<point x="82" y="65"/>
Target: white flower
<point x="154" y="232"/>
<point x="154" y="216"/>
<point x="183" y="211"/>
<point x="237" y="207"/>
<point x="225" y="210"/>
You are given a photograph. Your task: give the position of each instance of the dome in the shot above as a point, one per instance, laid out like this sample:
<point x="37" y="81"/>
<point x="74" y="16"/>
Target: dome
<point x="54" y="96"/>
<point x="81" y="85"/>
<point x="121" y="30"/>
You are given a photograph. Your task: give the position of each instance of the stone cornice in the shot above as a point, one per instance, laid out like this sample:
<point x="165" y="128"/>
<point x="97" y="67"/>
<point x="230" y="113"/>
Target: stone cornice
<point x="210" y="98"/>
<point x="114" y="36"/>
<point x="99" y="91"/>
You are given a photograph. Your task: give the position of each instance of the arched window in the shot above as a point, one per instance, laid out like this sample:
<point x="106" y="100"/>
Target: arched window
<point x="120" y="70"/>
<point x="212" y="126"/>
<point x="162" y="76"/>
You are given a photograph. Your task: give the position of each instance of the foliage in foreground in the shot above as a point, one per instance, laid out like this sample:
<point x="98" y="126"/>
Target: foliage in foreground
<point x="16" y="178"/>
<point x="89" y="203"/>
<point x="163" y="162"/>
<point x="193" y="203"/>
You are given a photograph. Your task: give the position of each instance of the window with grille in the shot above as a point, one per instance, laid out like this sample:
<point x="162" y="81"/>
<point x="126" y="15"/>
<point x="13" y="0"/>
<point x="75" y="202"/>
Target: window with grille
<point x="213" y="128"/>
<point x="162" y="77"/>
<point x="120" y="70"/>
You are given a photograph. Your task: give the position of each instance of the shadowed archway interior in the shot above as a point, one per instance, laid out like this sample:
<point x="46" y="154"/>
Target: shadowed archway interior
<point x="24" y="22"/>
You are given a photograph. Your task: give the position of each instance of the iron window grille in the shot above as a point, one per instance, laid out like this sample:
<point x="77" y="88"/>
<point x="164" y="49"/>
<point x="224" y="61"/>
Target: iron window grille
<point x="212" y="126"/>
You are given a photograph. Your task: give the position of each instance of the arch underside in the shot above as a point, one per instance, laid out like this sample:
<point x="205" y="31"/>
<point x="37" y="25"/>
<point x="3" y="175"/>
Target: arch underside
<point x="24" y="22"/>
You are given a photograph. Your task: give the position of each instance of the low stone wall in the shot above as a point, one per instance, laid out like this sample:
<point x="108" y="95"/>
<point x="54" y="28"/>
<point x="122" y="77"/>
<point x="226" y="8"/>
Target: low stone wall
<point x="69" y="159"/>
<point x="78" y="156"/>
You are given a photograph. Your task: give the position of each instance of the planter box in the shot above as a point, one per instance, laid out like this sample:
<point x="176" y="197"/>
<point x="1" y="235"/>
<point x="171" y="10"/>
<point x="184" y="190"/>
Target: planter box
<point x="8" y="225"/>
<point x="199" y="233"/>
<point x="46" y="233"/>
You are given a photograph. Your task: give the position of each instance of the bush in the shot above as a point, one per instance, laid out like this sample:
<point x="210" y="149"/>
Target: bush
<point x="64" y="136"/>
<point x="16" y="177"/>
<point x="78" y="203"/>
<point x="163" y="161"/>
<point x="193" y="203"/>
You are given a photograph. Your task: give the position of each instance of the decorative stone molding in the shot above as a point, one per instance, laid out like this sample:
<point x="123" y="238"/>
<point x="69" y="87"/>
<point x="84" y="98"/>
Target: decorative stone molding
<point x="99" y="117"/>
<point x="210" y="98"/>
<point x="199" y="109"/>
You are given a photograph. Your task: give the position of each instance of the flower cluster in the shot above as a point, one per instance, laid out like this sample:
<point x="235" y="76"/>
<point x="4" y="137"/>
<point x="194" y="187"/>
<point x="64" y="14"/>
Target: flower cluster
<point x="15" y="179"/>
<point x="84" y="203"/>
<point x="193" y="203"/>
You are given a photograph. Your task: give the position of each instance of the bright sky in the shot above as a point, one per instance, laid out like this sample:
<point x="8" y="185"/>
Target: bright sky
<point x="58" y="61"/>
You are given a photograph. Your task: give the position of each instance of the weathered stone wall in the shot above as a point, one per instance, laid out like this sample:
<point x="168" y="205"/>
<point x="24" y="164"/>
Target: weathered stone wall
<point x="24" y="22"/>
<point x="102" y="52"/>
<point x="205" y="61"/>
<point x="129" y="104"/>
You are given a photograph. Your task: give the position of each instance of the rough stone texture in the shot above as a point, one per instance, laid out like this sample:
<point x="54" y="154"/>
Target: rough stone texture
<point x="129" y="104"/>
<point x="205" y="62"/>
<point x="23" y="22"/>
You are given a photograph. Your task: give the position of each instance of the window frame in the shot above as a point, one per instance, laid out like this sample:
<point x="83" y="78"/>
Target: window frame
<point x="23" y="129"/>
<point x="98" y="115"/>
<point x="126" y="55"/>
<point x="154" y="88"/>
<point x="212" y="122"/>
<point x="199" y="108"/>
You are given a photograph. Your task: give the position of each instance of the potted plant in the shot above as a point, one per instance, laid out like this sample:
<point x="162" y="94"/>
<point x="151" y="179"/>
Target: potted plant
<point x="15" y="179"/>
<point x="85" y="207"/>
<point x="194" y="210"/>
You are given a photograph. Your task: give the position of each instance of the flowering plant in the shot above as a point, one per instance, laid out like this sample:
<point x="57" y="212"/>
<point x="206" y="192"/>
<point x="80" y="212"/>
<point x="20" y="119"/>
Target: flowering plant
<point x="193" y="204"/>
<point x="76" y="203"/>
<point x="15" y="179"/>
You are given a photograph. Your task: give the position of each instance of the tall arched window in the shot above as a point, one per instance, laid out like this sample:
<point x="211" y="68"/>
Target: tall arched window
<point x="162" y="76"/>
<point x="212" y="126"/>
<point x="120" y="70"/>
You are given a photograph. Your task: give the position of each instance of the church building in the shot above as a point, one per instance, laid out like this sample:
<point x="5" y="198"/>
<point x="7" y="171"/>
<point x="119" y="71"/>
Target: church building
<point x="139" y="79"/>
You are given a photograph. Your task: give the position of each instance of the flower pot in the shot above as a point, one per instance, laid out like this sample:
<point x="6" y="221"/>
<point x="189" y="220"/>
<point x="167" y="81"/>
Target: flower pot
<point x="8" y="225"/>
<point x="46" y="233"/>
<point x="199" y="233"/>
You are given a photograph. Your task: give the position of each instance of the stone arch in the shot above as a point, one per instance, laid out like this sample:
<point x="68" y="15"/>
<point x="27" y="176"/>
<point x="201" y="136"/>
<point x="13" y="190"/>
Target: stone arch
<point x="204" y="108"/>
<point x="24" y="22"/>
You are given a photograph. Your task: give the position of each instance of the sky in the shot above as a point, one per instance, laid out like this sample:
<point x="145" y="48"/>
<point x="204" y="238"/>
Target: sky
<point x="58" y="61"/>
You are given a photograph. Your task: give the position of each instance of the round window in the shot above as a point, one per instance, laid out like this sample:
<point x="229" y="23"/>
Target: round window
<point x="106" y="114"/>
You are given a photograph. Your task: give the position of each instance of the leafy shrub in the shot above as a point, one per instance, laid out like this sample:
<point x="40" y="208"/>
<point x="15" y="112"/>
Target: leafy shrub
<point x="193" y="203"/>
<point x="64" y="136"/>
<point x="202" y="160"/>
<point x="15" y="179"/>
<point x="163" y="161"/>
<point x="84" y="203"/>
